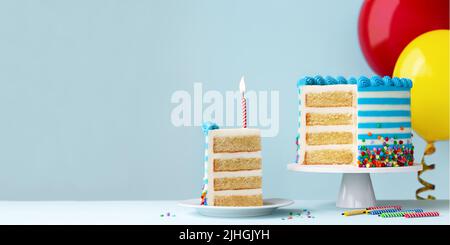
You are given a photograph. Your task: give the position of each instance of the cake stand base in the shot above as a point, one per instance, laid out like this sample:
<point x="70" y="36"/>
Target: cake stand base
<point x="356" y="191"/>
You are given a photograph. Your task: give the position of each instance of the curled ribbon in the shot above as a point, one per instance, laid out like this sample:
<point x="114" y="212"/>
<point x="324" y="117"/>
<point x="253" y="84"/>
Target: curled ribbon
<point x="429" y="149"/>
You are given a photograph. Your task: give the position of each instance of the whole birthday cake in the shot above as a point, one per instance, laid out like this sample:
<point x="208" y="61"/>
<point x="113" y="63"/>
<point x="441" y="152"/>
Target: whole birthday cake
<point x="364" y="122"/>
<point x="233" y="167"/>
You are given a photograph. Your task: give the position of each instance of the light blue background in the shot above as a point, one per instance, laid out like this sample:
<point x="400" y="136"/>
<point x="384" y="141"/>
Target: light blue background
<point x="85" y="90"/>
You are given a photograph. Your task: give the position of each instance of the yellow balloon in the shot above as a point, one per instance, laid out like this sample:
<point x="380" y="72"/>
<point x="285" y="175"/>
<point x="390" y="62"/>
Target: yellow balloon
<point x="426" y="62"/>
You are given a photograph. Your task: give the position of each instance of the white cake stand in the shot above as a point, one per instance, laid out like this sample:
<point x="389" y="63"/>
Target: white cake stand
<point x="356" y="189"/>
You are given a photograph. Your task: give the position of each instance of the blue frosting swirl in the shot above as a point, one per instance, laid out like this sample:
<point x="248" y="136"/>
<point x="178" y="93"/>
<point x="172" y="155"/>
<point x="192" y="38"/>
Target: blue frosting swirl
<point x="377" y="81"/>
<point x="388" y="81"/>
<point x="397" y="82"/>
<point x="407" y="82"/>
<point x="352" y="80"/>
<point x="361" y="82"/>
<point x="206" y="126"/>
<point x="330" y="80"/>
<point x="341" y="80"/>
<point x="320" y="80"/>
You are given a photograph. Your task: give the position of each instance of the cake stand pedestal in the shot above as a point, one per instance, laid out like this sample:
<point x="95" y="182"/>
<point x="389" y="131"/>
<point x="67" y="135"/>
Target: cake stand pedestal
<point x="356" y="189"/>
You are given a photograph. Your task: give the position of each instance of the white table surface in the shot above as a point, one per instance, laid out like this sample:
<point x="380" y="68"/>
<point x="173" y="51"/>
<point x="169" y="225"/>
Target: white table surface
<point x="149" y="212"/>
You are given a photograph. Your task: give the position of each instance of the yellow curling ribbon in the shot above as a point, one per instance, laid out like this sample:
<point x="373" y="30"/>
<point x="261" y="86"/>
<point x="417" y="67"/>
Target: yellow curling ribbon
<point x="429" y="149"/>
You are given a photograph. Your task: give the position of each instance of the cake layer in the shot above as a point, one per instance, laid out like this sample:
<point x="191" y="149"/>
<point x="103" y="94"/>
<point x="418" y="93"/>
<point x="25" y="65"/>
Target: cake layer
<point x="329" y="99"/>
<point x="313" y="119"/>
<point x="238" y="200"/>
<point x="317" y="157"/>
<point x="236" y="164"/>
<point x="237" y="183"/>
<point x="329" y="138"/>
<point x="246" y="143"/>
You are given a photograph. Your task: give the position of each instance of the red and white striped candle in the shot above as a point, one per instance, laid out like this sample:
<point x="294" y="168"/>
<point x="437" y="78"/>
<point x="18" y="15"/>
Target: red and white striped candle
<point x="243" y="103"/>
<point x="421" y="215"/>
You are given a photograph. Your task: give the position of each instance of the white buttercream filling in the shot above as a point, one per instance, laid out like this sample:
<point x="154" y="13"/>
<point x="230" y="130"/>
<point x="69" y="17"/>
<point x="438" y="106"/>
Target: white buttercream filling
<point x="329" y="147"/>
<point x="232" y="174"/>
<point x="327" y="110"/>
<point x="330" y="128"/>
<point x="246" y="192"/>
<point x="256" y="154"/>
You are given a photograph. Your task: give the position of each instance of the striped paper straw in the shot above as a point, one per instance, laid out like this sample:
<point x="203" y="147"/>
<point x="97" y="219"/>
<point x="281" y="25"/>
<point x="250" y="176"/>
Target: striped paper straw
<point x="401" y="213"/>
<point x="421" y="215"/>
<point x="414" y="210"/>
<point x="385" y="207"/>
<point x="393" y="215"/>
<point x="380" y="211"/>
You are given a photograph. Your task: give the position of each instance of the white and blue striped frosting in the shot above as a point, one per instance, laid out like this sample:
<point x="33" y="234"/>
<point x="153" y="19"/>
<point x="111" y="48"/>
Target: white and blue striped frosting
<point x="383" y="114"/>
<point x="206" y="127"/>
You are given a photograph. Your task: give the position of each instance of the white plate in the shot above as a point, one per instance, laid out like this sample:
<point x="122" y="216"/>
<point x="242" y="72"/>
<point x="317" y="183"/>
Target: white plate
<point x="235" y="212"/>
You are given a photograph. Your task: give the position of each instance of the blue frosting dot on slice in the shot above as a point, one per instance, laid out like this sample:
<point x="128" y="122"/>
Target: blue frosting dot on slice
<point x="206" y="126"/>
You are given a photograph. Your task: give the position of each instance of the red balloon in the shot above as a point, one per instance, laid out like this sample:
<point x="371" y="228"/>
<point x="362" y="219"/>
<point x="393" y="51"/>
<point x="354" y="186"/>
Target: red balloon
<point x="385" y="27"/>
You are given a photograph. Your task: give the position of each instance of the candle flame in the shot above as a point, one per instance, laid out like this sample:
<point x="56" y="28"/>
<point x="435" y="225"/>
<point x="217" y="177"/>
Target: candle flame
<point x="242" y="85"/>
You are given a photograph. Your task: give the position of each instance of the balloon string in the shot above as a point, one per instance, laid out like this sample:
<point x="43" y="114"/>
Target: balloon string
<point x="429" y="149"/>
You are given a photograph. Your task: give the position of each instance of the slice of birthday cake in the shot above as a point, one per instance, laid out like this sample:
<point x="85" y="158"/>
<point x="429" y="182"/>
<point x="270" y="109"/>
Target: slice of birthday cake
<point x="233" y="167"/>
<point x="364" y="122"/>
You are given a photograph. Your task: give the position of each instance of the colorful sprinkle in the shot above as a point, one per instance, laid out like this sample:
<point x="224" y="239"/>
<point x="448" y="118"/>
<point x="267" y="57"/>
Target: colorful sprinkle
<point x="304" y="213"/>
<point x="395" y="154"/>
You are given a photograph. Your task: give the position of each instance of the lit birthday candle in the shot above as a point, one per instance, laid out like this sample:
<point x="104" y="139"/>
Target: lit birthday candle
<point x="243" y="102"/>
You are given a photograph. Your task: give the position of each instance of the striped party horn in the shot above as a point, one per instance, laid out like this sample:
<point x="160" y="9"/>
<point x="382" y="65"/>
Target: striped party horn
<point x="380" y="211"/>
<point x="421" y="215"/>
<point x="394" y="215"/>
<point x="385" y="207"/>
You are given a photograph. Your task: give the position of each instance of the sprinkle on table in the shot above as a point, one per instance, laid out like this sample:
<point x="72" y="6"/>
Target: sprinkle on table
<point x="167" y="214"/>
<point x="302" y="213"/>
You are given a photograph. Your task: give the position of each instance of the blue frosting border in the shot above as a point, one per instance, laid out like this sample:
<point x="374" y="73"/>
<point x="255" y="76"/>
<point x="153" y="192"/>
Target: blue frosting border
<point x="375" y="83"/>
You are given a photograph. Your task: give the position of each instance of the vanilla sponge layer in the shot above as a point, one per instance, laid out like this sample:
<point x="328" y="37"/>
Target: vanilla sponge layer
<point x="236" y="164"/>
<point x="316" y="119"/>
<point x="329" y="99"/>
<point x="329" y="138"/>
<point x="238" y="200"/>
<point x="245" y="143"/>
<point x="318" y="157"/>
<point x="237" y="183"/>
